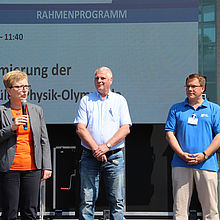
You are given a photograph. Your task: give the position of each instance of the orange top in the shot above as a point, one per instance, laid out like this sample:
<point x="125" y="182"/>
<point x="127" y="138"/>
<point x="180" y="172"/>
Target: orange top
<point x="24" y="156"/>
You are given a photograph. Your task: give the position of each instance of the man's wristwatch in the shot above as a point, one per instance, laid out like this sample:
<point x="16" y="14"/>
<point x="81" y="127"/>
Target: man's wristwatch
<point x="108" y="145"/>
<point x="205" y="155"/>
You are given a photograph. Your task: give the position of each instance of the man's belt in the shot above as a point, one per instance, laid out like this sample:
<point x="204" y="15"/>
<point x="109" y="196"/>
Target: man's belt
<point x="108" y="154"/>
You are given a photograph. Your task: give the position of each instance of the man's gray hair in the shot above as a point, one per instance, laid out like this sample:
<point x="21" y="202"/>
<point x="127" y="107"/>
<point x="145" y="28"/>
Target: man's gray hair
<point x="104" y="69"/>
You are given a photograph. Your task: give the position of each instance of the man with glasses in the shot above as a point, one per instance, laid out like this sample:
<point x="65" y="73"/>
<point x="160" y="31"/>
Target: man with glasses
<point x="193" y="132"/>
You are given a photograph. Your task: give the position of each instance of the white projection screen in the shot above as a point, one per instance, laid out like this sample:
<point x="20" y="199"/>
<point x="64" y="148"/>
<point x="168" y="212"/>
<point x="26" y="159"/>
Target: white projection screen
<point x="150" y="45"/>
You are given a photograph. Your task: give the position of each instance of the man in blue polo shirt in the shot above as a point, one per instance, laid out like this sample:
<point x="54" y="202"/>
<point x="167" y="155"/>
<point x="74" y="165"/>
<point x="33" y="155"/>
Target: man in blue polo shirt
<point x="103" y="121"/>
<point x="193" y="132"/>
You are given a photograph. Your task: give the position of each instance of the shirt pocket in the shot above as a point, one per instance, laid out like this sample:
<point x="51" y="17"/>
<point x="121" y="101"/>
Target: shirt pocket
<point x="112" y="115"/>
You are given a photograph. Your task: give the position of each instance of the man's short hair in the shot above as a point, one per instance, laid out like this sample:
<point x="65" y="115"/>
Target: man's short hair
<point x="202" y="79"/>
<point x="104" y="69"/>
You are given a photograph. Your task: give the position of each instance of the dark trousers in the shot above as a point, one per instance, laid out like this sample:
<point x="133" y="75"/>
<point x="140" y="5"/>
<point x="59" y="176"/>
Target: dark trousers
<point x="20" y="189"/>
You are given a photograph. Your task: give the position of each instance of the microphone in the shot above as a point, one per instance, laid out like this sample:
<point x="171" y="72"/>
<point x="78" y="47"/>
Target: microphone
<point x="115" y="162"/>
<point x="24" y="110"/>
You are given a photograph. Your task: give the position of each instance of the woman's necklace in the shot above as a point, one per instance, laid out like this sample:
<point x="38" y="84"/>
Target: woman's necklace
<point x="15" y="107"/>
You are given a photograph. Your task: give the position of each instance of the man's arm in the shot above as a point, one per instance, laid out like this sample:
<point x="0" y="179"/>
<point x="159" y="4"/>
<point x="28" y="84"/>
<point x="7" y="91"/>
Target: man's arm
<point x="173" y="142"/>
<point x="85" y="136"/>
<point x="212" y="148"/>
<point x="87" y="139"/>
<point x="120" y="135"/>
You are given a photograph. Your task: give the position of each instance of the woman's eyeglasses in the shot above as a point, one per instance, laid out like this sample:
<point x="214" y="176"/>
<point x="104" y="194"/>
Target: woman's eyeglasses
<point x="21" y="87"/>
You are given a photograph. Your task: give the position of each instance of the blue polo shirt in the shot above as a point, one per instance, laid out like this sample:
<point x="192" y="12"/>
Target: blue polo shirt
<point x="103" y="118"/>
<point x="194" y="138"/>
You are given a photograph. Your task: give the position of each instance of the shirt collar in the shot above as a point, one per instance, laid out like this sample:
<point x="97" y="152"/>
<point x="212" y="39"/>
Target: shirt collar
<point x="204" y="104"/>
<point x="107" y="97"/>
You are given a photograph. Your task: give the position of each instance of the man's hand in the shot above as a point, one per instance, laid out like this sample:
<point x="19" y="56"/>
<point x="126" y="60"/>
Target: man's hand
<point x="189" y="158"/>
<point x="192" y="159"/>
<point x="198" y="158"/>
<point x="101" y="150"/>
<point x="102" y="158"/>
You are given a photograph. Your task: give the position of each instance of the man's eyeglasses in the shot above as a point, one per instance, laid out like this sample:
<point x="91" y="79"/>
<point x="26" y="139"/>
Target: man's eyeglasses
<point x="192" y="86"/>
<point x="21" y="87"/>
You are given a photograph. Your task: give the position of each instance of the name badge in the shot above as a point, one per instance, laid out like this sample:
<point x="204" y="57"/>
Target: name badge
<point x="192" y="121"/>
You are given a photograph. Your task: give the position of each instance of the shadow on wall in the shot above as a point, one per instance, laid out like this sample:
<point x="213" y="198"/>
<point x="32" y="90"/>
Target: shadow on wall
<point x="140" y="160"/>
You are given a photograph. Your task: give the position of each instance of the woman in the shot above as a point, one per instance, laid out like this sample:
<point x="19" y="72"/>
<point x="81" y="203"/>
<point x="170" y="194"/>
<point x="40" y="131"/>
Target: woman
<point x="25" y="158"/>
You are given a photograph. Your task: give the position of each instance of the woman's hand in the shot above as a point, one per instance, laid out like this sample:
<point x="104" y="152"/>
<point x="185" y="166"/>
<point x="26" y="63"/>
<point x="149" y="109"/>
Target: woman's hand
<point x="20" y="120"/>
<point x="46" y="174"/>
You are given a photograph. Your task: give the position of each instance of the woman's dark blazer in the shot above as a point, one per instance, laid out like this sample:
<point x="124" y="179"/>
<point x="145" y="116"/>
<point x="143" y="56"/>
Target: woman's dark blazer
<point x="8" y="137"/>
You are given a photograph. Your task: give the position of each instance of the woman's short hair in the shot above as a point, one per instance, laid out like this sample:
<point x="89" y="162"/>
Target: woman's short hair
<point x="11" y="77"/>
